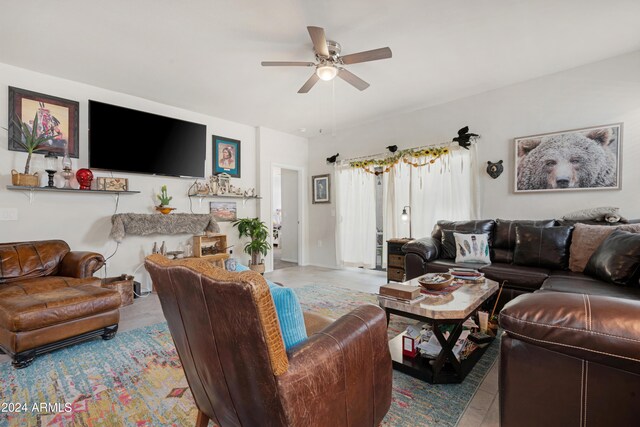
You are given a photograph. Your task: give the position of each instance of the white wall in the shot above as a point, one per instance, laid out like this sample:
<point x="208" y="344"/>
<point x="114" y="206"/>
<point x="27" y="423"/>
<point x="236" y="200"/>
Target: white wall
<point x="290" y="215"/>
<point x="600" y="93"/>
<point x="278" y="149"/>
<point x="83" y="220"/>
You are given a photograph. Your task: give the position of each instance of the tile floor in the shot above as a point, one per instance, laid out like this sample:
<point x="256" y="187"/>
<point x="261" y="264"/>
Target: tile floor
<point x="483" y="409"/>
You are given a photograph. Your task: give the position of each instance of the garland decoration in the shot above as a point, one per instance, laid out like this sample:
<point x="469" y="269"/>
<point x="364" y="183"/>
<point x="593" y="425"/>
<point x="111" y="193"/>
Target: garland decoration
<point x="413" y="157"/>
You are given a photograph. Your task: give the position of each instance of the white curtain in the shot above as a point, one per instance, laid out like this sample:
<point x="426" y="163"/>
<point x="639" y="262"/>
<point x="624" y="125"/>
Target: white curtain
<point x="395" y="196"/>
<point x="447" y="189"/>
<point x="355" y="217"/>
<point x="444" y="191"/>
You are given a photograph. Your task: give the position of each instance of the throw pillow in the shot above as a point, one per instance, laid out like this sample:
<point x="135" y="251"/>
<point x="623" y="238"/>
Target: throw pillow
<point x="288" y="310"/>
<point x="472" y="248"/>
<point x="586" y="239"/>
<point x="542" y="246"/>
<point x="597" y="214"/>
<point x="446" y="229"/>
<point x="617" y="259"/>
<point x="290" y="316"/>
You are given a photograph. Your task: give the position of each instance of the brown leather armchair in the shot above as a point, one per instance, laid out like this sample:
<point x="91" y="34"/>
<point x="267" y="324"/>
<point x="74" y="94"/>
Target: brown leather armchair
<point x="49" y="299"/>
<point x="226" y="332"/>
<point x="570" y="359"/>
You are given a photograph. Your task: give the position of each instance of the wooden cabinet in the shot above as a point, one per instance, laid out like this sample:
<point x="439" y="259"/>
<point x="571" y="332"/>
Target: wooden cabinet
<point x="395" y="260"/>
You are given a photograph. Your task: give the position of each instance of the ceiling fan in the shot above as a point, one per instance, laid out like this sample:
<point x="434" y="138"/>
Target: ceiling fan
<point x="329" y="63"/>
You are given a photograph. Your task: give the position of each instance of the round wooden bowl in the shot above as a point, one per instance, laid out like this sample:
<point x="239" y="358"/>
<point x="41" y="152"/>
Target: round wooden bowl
<point x="164" y="209"/>
<point x="427" y="281"/>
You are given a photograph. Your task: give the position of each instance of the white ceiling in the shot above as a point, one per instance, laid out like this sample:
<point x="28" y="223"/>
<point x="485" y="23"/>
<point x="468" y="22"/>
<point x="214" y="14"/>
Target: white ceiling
<point x="205" y="56"/>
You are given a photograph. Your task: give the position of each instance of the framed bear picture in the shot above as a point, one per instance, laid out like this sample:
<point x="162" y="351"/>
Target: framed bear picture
<point x="571" y="160"/>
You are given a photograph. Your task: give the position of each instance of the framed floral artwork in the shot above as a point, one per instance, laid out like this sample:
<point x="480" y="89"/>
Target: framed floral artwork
<point x="56" y="115"/>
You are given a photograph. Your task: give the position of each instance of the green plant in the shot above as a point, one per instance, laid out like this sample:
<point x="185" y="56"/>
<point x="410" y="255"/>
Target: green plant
<point x="29" y="138"/>
<point x="258" y="232"/>
<point x="163" y="196"/>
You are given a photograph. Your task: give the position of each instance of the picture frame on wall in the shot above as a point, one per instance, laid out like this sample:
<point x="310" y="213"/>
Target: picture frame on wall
<point x="55" y="114"/>
<point x="570" y="160"/>
<point x="226" y="156"/>
<point x="224" y="211"/>
<point x="321" y="188"/>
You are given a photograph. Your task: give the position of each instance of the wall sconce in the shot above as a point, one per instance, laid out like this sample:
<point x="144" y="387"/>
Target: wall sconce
<point x="406" y="216"/>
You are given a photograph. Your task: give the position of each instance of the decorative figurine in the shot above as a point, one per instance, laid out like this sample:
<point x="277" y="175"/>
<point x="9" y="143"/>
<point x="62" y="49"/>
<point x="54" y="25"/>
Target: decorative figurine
<point x="495" y="169"/>
<point x="84" y="177"/>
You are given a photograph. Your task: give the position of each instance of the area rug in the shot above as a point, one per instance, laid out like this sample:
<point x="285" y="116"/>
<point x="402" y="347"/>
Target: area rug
<point x="136" y="380"/>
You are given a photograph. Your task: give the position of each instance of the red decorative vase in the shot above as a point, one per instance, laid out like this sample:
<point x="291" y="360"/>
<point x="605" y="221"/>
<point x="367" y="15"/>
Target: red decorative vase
<point x="84" y="177"/>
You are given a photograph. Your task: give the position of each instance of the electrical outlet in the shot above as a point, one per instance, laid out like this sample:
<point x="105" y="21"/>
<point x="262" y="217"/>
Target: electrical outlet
<point x="8" y="214"/>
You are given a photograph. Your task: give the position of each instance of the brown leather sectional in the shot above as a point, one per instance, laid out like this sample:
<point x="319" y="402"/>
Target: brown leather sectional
<point x="570" y="351"/>
<point x="49" y="299"/>
<point x="426" y="256"/>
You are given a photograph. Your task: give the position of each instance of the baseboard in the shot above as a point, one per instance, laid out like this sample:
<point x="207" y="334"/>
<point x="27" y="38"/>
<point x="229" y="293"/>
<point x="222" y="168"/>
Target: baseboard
<point x="295" y="261"/>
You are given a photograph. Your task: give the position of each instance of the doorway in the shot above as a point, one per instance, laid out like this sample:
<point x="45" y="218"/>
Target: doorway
<point x="286" y="219"/>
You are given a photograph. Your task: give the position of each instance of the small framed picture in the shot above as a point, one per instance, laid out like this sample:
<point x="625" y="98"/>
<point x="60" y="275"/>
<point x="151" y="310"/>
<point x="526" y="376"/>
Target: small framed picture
<point x="321" y="188"/>
<point x="55" y="115"/>
<point x="226" y="156"/>
<point x="112" y="184"/>
<point x="224" y="211"/>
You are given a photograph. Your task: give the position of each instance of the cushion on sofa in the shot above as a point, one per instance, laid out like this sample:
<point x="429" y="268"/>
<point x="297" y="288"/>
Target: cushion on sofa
<point x="595" y="214"/>
<point x="586" y="239"/>
<point x="542" y="246"/>
<point x="505" y="231"/>
<point x="617" y="259"/>
<point x="446" y="229"/>
<point x="578" y="283"/>
<point x="472" y="248"/>
<point x="516" y="276"/>
<point x="474" y="226"/>
<point x="288" y="310"/>
<point x="19" y="261"/>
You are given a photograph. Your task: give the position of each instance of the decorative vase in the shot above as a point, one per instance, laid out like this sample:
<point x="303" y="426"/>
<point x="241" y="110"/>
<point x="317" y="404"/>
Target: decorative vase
<point x="84" y="177"/>
<point x="164" y="209"/>
<point x="24" y="179"/>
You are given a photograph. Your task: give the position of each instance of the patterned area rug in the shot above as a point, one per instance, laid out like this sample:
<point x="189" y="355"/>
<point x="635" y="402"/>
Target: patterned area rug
<point x="136" y="380"/>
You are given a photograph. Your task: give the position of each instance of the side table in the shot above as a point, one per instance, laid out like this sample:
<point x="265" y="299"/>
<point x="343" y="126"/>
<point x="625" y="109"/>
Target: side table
<point x="395" y="259"/>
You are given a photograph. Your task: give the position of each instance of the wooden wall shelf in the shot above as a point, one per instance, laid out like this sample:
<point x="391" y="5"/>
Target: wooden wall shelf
<point x="67" y="190"/>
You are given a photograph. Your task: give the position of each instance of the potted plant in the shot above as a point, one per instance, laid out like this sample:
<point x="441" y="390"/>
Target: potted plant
<point x="164" y="198"/>
<point x="258" y="232"/>
<point x="29" y="138"/>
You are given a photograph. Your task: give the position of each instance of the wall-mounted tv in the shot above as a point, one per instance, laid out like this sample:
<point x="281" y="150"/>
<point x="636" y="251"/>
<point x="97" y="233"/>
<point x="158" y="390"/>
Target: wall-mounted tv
<point x="126" y="140"/>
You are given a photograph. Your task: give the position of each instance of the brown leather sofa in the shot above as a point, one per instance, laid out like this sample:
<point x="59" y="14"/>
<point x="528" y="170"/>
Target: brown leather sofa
<point x="226" y="332"/>
<point x="570" y="359"/>
<point x="49" y="299"/>
<point x="427" y="255"/>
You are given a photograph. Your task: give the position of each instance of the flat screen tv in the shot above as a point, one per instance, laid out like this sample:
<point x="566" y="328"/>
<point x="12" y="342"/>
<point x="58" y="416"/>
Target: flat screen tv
<point x="126" y="140"/>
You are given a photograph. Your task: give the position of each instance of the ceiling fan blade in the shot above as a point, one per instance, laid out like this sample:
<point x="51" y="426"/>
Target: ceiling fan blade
<point x="319" y="41"/>
<point x="352" y="79"/>
<point x="309" y="83"/>
<point x="369" y="55"/>
<point x="287" y="64"/>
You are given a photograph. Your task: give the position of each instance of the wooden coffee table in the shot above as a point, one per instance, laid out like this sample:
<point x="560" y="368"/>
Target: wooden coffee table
<point x="445" y="368"/>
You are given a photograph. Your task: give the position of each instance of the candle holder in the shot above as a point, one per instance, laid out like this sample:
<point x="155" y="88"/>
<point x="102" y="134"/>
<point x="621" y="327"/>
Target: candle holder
<point x="51" y="167"/>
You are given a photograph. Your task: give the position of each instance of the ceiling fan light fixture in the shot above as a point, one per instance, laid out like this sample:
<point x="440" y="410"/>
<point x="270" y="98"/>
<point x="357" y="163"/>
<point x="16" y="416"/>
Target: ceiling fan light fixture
<point x="326" y="72"/>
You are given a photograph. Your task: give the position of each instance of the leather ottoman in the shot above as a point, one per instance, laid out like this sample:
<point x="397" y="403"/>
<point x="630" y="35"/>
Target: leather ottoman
<point x="46" y="313"/>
